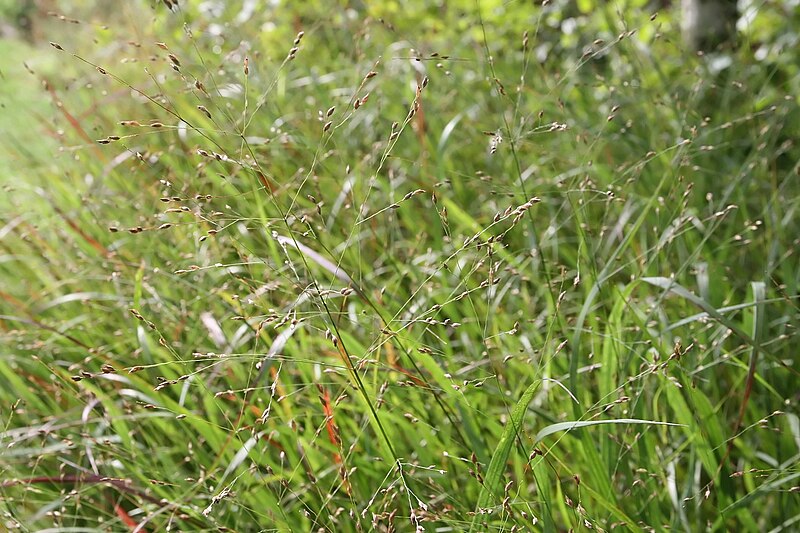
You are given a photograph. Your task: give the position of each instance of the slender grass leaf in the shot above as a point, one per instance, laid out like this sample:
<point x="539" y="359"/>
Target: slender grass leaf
<point x="493" y="480"/>
<point x="568" y="426"/>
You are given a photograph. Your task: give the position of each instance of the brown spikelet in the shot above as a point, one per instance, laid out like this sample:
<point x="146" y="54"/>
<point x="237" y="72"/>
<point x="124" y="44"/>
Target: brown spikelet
<point x="501" y="89"/>
<point x="202" y="88"/>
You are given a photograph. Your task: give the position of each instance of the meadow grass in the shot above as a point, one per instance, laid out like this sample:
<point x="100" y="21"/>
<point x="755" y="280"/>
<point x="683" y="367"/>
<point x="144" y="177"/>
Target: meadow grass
<point x="482" y="266"/>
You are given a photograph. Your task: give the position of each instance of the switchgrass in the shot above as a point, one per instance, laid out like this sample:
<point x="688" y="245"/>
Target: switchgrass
<point x="482" y="266"/>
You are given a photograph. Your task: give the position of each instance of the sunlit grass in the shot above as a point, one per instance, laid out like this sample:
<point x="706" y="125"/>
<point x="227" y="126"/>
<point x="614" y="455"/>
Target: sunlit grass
<point x="373" y="271"/>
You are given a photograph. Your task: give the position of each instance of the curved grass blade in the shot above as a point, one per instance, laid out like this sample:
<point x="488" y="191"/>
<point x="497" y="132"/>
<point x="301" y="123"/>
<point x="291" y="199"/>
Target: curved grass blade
<point x="670" y="285"/>
<point x="567" y="426"/>
<point x="494" y="475"/>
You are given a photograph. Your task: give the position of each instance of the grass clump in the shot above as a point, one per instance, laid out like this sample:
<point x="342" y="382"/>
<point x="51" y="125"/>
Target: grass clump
<point x="485" y="266"/>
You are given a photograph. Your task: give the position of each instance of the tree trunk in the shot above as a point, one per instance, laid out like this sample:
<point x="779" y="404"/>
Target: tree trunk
<point x="709" y="24"/>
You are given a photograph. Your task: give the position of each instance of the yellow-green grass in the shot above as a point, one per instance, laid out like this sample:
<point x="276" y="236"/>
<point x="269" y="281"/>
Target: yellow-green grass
<point x="410" y="268"/>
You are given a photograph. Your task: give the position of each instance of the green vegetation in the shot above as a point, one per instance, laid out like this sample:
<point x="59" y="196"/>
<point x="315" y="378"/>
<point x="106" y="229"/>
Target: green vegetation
<point x="450" y="266"/>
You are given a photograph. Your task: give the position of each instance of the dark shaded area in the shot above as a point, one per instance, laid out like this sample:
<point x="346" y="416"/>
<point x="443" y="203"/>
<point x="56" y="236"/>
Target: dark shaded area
<point x="709" y="24"/>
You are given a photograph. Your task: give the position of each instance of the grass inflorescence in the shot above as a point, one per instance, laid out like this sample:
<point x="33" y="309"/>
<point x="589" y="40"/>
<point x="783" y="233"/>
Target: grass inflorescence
<point x="484" y="266"/>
